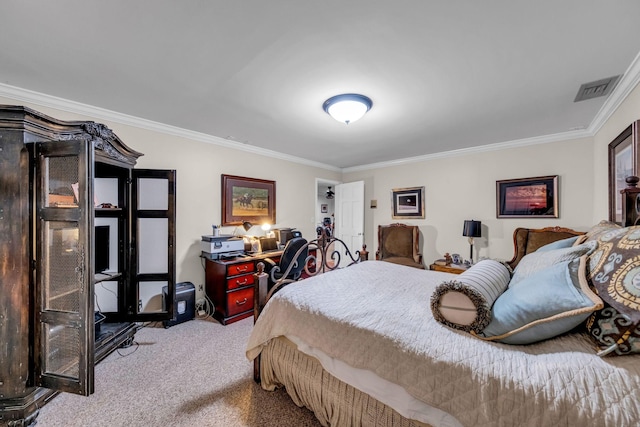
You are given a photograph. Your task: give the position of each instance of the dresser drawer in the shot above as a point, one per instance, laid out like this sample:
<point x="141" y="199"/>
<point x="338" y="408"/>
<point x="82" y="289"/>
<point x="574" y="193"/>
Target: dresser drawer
<point x="239" y="301"/>
<point x="240" y="281"/>
<point x="236" y="269"/>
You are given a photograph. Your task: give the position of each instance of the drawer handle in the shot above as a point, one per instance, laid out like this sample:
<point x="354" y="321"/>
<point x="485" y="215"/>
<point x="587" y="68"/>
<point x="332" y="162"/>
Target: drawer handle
<point x="243" y="302"/>
<point x="243" y="268"/>
<point x="244" y="282"/>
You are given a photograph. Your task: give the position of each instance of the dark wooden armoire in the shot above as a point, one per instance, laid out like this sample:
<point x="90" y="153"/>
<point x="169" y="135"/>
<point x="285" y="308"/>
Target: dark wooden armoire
<point x="86" y="251"/>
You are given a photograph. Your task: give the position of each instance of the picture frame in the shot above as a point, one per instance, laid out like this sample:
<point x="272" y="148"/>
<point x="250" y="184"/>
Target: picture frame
<point x="624" y="158"/>
<point x="535" y="197"/>
<point x="407" y="203"/>
<point x="248" y="200"/>
<point x="324" y="208"/>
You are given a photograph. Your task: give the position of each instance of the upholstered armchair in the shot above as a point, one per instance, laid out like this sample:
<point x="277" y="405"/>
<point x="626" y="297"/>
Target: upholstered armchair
<point x="398" y="243"/>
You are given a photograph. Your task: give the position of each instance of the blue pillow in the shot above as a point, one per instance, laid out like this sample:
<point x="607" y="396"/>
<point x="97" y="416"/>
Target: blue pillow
<point x="560" y="244"/>
<point x="539" y="260"/>
<point x="545" y="304"/>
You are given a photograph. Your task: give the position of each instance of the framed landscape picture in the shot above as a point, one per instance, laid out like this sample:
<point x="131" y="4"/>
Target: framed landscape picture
<point x="248" y="199"/>
<point x="527" y="197"/>
<point x="407" y="203"/>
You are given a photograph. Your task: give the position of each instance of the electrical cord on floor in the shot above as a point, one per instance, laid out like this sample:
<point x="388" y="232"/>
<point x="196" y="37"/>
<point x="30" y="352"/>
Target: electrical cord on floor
<point x="133" y="344"/>
<point x="204" y="307"/>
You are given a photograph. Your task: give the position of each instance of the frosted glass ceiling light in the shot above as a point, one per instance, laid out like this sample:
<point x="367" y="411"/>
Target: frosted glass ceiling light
<point x="348" y="107"/>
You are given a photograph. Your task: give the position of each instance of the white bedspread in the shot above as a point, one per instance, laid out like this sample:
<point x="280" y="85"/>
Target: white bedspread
<point x="376" y="316"/>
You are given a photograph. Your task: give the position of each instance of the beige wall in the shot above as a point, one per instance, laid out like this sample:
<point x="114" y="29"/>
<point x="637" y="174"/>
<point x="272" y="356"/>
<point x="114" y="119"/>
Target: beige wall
<point x="198" y="168"/>
<point x="457" y="187"/>
<point x="463" y="187"/>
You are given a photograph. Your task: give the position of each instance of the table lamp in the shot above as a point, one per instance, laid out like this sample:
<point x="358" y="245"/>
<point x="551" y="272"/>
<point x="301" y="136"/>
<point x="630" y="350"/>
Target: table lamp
<point x="471" y="229"/>
<point x="245" y="224"/>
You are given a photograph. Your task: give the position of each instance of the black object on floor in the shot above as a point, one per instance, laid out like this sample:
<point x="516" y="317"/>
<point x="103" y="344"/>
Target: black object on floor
<point x="184" y="305"/>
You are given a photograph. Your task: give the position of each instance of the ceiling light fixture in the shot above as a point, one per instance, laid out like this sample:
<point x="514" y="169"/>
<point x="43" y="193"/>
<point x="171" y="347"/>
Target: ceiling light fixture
<point x="348" y="107"/>
<point x="330" y="193"/>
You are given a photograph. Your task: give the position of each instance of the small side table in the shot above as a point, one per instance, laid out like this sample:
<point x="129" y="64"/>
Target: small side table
<point x="451" y="268"/>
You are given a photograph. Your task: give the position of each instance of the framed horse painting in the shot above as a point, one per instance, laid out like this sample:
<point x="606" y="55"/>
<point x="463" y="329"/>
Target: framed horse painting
<point x="248" y="200"/>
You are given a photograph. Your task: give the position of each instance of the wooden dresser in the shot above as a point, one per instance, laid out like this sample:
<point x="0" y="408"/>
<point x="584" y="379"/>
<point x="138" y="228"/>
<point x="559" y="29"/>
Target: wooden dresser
<point x="229" y="284"/>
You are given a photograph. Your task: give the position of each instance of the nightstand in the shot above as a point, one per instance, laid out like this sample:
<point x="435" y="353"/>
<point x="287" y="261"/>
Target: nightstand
<point x="451" y="268"/>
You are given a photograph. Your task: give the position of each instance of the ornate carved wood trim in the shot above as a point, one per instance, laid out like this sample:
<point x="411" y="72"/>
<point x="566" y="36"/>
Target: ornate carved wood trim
<point x="521" y="236"/>
<point x="109" y="144"/>
<point x="105" y="141"/>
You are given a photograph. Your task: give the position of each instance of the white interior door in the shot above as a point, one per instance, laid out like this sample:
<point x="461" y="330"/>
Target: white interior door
<point x="349" y="222"/>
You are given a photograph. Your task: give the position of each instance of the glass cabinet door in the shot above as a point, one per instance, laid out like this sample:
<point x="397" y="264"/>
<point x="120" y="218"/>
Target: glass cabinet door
<point x="64" y="331"/>
<point x="151" y="295"/>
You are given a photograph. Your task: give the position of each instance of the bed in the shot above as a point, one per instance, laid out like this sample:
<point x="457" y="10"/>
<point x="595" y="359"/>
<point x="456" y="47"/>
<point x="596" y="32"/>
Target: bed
<point x="360" y="346"/>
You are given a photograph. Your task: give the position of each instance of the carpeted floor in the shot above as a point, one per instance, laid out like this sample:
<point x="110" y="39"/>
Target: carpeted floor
<point x="191" y="374"/>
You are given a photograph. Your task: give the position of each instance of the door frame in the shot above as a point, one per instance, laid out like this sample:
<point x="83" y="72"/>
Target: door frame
<point x="320" y="182"/>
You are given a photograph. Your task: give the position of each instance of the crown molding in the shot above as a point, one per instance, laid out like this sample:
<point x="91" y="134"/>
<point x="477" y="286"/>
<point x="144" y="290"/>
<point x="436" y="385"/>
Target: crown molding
<point x="538" y="140"/>
<point x="44" y="100"/>
<point x="629" y="81"/>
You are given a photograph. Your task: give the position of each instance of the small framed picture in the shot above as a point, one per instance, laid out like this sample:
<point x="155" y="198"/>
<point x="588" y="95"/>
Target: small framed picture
<point x="324" y="208"/>
<point x="527" y="197"/>
<point x="407" y="203"/>
<point x="456" y="259"/>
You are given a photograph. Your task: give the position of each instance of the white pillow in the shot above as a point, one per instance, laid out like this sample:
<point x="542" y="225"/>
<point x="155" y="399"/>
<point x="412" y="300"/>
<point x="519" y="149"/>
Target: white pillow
<point x="465" y="302"/>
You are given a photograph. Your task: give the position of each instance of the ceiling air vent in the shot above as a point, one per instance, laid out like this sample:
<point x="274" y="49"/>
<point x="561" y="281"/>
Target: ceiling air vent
<point x="596" y="89"/>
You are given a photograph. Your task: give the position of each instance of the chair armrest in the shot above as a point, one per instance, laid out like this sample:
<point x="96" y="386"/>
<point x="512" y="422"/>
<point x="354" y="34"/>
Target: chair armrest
<point x="269" y="264"/>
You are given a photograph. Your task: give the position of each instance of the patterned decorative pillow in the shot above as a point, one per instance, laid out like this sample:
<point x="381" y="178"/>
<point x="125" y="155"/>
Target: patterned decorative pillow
<point x="465" y="303"/>
<point x="614" y="273"/>
<point x="614" y="333"/>
<point x="602" y="227"/>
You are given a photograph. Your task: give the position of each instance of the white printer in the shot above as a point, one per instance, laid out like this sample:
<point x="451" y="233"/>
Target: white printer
<point x="214" y="246"/>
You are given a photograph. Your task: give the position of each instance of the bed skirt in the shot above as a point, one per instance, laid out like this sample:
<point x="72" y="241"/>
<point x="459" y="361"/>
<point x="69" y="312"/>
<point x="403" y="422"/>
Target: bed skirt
<point x="333" y="402"/>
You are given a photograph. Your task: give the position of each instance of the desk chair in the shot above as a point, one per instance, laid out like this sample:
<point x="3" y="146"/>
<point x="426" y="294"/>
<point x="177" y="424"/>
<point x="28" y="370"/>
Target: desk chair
<point x="288" y="258"/>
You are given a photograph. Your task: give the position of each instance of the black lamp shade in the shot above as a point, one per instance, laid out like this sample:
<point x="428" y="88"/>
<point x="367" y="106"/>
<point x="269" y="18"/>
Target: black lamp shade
<point x="472" y="228"/>
<point x="246" y="225"/>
